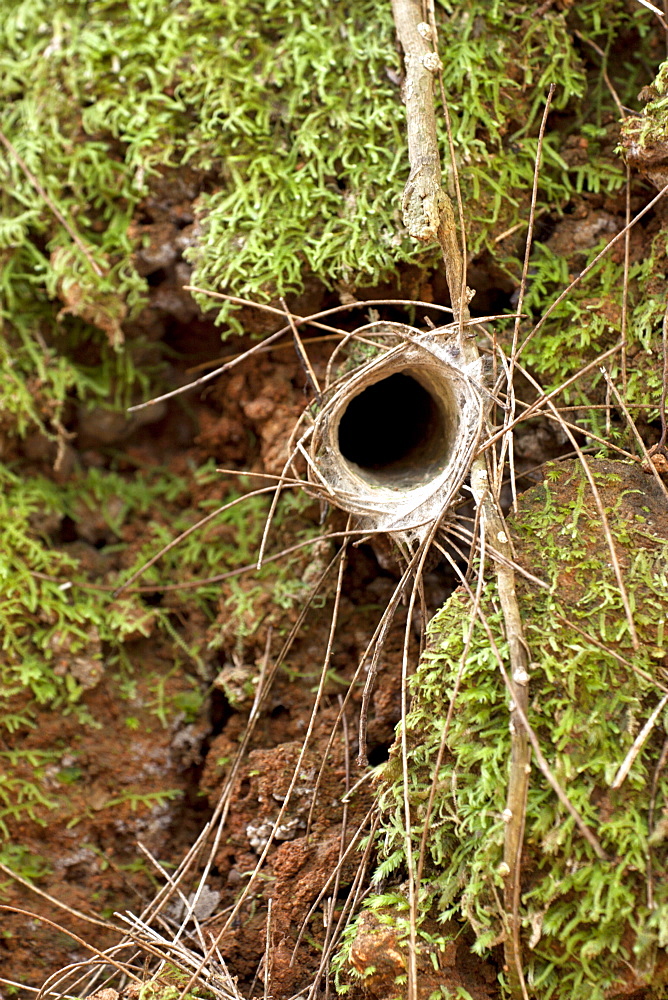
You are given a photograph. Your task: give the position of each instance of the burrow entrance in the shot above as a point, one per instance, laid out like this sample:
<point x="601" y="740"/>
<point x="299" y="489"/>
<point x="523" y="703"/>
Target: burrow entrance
<point x="396" y="430"/>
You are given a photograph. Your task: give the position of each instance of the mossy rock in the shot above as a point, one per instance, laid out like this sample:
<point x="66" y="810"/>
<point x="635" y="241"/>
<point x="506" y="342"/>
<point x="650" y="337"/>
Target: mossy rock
<point x="591" y="928"/>
<point x="644" y="137"/>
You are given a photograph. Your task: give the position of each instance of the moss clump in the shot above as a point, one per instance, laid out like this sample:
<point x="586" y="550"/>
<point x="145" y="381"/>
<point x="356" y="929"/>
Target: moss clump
<point x="589" y="322"/>
<point x="649" y="129"/>
<point x="125" y="521"/>
<point x="590" y="927"/>
<point x="591" y="319"/>
<point x="499" y="63"/>
<point x="288" y="124"/>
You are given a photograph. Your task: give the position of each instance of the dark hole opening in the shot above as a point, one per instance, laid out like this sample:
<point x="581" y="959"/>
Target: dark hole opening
<point x="392" y="426"/>
<point x="378" y="754"/>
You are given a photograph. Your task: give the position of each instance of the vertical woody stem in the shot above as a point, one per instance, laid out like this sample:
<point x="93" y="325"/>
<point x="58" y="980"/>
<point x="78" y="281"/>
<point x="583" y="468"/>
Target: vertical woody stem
<point x="428" y="216"/>
<point x="427" y="209"/>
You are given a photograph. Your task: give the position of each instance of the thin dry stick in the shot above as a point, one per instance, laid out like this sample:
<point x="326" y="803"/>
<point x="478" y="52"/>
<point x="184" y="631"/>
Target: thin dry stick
<point x="295" y="776"/>
<point x="493" y="521"/>
<point x="272" y="338"/>
<point x="344" y="825"/>
<point x="446" y="239"/>
<point x="329" y="916"/>
<point x="650" y="6"/>
<point x="520" y="760"/>
<point x="205" y="581"/>
<point x="166" y="951"/>
<point x="474" y="533"/>
<point x="264" y="684"/>
<point x="407" y="303"/>
<point x="170" y="881"/>
<point x="373" y="648"/>
<point x="466" y="535"/>
<point x="598" y="406"/>
<point x="279" y="489"/>
<point x="612" y="652"/>
<point x="34" y="989"/>
<point x="303" y="356"/>
<point x="344" y="833"/>
<point x="79" y="914"/>
<point x="608" y="536"/>
<point x="661" y="445"/>
<point x="428" y="214"/>
<point x="90" y="979"/>
<point x="379" y="639"/>
<point x="625" y="289"/>
<point x="608" y="412"/>
<point x="224" y="802"/>
<point x="185" y="534"/>
<point x="661" y="763"/>
<point x="649" y="464"/>
<point x="427" y="209"/>
<point x="534" y="408"/>
<point x="510" y="409"/>
<point x="513" y="927"/>
<point x="331" y="878"/>
<point x="54" y="984"/>
<point x="599" y="256"/>
<point x="388" y="618"/>
<point x="62" y="930"/>
<point x="350" y="905"/>
<point x="413" y="885"/>
<point x="222" y="807"/>
<point x="608" y="82"/>
<point x="344" y="307"/>
<point x="304" y="483"/>
<point x="575" y="427"/>
<point x="267" y="954"/>
<point x="540" y="756"/>
<point x="214" y="362"/>
<point x="638" y="744"/>
<point x="446" y="729"/>
<point x="592" y="438"/>
<point x="518" y="225"/>
<point x="72" y="233"/>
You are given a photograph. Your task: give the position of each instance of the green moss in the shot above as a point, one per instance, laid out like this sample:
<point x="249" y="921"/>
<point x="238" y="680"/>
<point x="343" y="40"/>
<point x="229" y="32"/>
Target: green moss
<point x="24" y="863"/>
<point x="649" y="128"/>
<point x="587" y="920"/>
<point x="500" y="61"/>
<point x="288" y="123"/>
<point x="40" y="621"/>
<point x="589" y="322"/>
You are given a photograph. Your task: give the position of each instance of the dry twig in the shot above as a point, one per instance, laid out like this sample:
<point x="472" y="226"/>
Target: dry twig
<point x="69" y="228"/>
<point x="428" y="214"/>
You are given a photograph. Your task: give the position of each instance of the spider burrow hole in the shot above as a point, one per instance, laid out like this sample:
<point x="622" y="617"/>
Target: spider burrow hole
<point x="399" y="431"/>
